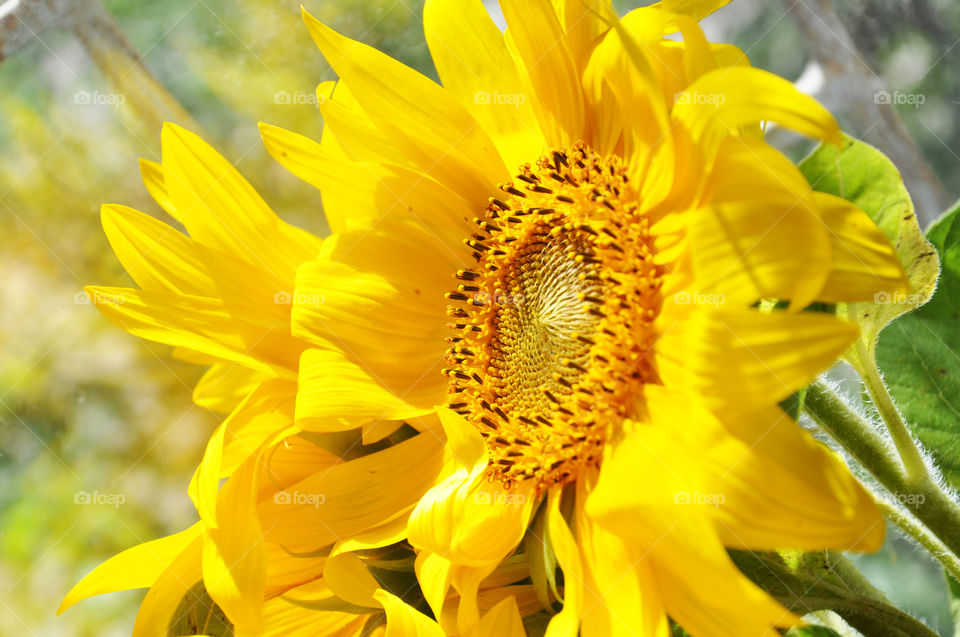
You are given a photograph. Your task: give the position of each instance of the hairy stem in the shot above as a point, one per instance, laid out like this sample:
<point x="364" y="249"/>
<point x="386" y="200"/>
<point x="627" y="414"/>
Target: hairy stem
<point x="919" y="495"/>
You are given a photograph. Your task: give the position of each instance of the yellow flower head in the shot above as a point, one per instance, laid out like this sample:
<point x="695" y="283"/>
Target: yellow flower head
<point x="560" y="305"/>
<point x="566" y="251"/>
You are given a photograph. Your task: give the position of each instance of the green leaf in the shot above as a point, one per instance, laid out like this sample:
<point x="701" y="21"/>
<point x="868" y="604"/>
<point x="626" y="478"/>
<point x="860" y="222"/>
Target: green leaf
<point x="920" y="357"/>
<point x="197" y="614"/>
<point x="863" y="175"/>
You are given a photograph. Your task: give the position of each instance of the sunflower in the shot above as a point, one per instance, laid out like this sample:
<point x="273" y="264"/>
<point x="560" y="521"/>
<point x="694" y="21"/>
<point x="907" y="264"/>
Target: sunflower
<point x="581" y="254"/>
<point x="222" y="296"/>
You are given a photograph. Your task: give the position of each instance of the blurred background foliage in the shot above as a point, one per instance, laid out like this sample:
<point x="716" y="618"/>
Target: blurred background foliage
<point x="86" y="408"/>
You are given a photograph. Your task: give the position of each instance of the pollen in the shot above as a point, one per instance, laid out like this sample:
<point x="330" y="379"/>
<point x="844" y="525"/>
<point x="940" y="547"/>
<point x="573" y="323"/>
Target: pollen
<point x="554" y="325"/>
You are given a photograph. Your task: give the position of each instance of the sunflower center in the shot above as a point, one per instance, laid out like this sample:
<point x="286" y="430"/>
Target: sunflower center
<point x="554" y="323"/>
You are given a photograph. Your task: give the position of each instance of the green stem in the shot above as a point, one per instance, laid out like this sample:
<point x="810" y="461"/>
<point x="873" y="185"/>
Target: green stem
<point x="913" y="463"/>
<point x="820" y="581"/>
<point x="852" y="578"/>
<point x="922" y="535"/>
<point x="920" y="495"/>
<point x="855" y="435"/>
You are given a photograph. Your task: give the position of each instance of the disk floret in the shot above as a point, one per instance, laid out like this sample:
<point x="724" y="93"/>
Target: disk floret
<point x="554" y="324"/>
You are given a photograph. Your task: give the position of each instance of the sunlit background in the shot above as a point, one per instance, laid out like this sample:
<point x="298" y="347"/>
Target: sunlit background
<point x="98" y="436"/>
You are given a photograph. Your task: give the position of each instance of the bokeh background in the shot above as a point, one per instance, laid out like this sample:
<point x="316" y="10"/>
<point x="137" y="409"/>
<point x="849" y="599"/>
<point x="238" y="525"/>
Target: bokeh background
<point x="88" y="412"/>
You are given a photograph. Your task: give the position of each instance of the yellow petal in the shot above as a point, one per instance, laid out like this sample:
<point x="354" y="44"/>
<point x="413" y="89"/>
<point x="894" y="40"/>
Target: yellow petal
<point x="765" y="356"/>
<point x="377" y="430"/>
<point x="403" y="620"/>
<point x="677" y="545"/>
<point x="697" y="9"/>
<point x="583" y="24"/>
<point x="267" y="412"/>
<point x="359" y="195"/>
<point x="429" y="127"/>
<point x="553" y="76"/>
<point x="283" y="618"/>
<point x="234" y="553"/>
<point x="348" y="132"/>
<point x="677" y="62"/>
<point x="621" y="596"/>
<point x="474" y="64"/>
<point x="620" y="64"/>
<point x="349" y="579"/>
<point x="336" y="395"/>
<point x="159" y="257"/>
<point x="286" y="572"/>
<point x="470" y="520"/>
<point x="137" y="567"/>
<point x="345" y="499"/>
<point x="346" y="573"/>
<point x="503" y="620"/>
<point x="566" y="623"/>
<point x="157" y="609"/>
<point x="264" y="414"/>
<point x="220" y="209"/>
<point x="865" y="263"/>
<point x="206" y="479"/>
<point x="380" y="298"/>
<point x="211" y="326"/>
<point x="467" y="580"/>
<point x="740" y="96"/>
<point x="782" y="488"/>
<point x="434" y="574"/>
<point x="744" y="251"/>
<point x="152" y="174"/>
<point x="225" y="385"/>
